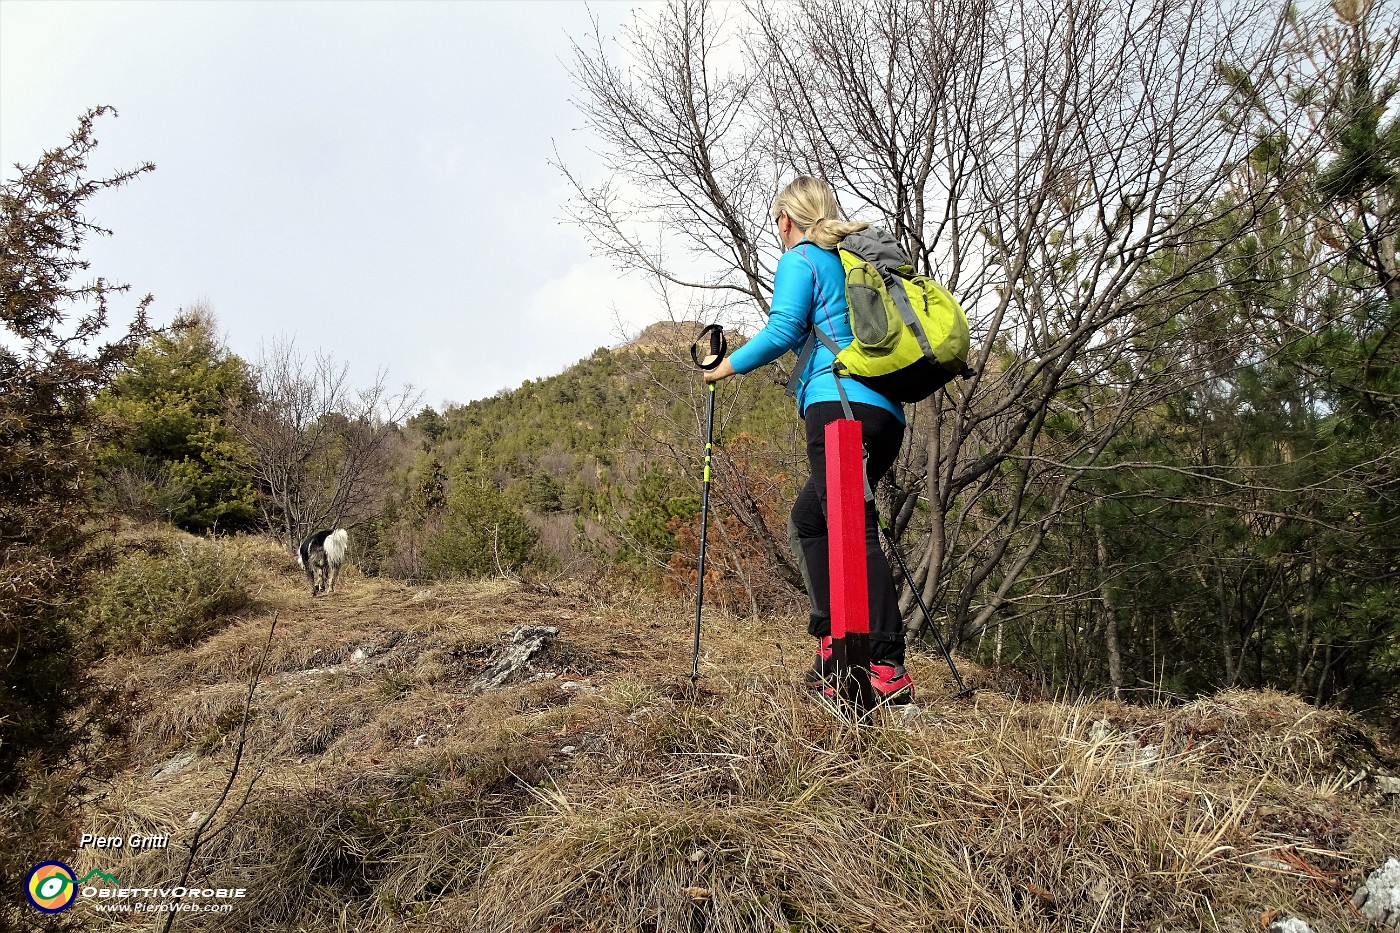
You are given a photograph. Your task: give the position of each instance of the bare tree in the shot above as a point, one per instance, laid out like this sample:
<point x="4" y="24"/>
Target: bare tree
<point x="321" y="450"/>
<point x="1058" y="167"/>
<point x="683" y="155"/>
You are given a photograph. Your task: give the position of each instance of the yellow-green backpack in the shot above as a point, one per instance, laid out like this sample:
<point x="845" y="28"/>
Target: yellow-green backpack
<point x="911" y="335"/>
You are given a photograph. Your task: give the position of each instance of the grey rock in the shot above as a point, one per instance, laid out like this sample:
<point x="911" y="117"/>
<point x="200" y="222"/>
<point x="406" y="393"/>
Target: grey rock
<point x="1378" y="899"/>
<point x="1289" y="925"/>
<point x="174" y="765"/>
<point x="1144" y="757"/>
<point x="525" y="642"/>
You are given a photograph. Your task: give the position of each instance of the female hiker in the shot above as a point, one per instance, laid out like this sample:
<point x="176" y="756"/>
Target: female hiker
<point x="809" y="290"/>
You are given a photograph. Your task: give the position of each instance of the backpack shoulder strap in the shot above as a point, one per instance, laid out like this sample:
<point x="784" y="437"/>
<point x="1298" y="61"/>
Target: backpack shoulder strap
<point x="804" y="356"/>
<point x="911" y="320"/>
<point x="831" y="345"/>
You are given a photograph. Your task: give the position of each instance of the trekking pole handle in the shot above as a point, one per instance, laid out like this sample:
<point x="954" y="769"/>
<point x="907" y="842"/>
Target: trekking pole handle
<point x="710" y="348"/>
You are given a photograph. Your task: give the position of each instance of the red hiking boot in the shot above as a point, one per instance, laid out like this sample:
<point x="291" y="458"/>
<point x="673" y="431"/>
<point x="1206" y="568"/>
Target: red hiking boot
<point x="890" y="683"/>
<point x="819" y="675"/>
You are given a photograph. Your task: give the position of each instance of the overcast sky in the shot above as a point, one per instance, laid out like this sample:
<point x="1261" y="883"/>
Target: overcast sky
<point x="370" y="179"/>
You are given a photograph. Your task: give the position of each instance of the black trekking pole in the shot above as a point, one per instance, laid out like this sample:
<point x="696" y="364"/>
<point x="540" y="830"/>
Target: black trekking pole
<point x="963" y="689"/>
<point x="707" y="357"/>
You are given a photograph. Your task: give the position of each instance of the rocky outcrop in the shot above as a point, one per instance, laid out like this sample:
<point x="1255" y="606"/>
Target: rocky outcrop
<point x="1378" y="899"/>
<point x="525" y="642"/>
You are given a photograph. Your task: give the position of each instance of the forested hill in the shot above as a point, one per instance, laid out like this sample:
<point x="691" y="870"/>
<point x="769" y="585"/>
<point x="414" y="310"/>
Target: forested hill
<point x="602" y="462"/>
<point x="604" y="406"/>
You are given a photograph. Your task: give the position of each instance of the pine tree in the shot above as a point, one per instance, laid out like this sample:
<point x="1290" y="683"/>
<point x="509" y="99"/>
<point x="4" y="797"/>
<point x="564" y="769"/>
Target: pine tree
<point x="173" y="451"/>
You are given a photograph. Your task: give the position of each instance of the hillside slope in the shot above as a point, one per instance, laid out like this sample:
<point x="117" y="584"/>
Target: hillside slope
<point x="601" y="416"/>
<point x="391" y="791"/>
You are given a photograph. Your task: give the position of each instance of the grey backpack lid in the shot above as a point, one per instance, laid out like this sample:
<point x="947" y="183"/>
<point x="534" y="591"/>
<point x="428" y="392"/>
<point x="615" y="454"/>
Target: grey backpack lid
<point x="878" y="247"/>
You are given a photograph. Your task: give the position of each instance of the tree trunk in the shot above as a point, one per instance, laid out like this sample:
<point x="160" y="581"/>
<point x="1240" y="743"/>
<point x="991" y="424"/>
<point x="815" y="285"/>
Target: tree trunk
<point x="1110" y="616"/>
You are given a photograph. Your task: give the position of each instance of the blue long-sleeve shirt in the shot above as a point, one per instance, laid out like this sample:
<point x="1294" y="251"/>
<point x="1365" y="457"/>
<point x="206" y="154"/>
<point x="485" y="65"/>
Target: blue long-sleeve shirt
<point x="809" y="287"/>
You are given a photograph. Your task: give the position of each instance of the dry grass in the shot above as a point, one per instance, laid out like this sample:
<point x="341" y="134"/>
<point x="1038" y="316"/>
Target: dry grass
<point x="391" y="794"/>
<point x="758" y="814"/>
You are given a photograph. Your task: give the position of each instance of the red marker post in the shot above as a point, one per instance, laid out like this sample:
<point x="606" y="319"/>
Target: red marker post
<point x="850" y="585"/>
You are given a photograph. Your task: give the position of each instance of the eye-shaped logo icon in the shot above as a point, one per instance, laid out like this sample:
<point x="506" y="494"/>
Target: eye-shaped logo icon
<point x="51" y="887"/>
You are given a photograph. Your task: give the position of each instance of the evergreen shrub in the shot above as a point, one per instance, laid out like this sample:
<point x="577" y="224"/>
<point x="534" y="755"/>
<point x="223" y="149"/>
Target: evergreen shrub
<point x="167" y="594"/>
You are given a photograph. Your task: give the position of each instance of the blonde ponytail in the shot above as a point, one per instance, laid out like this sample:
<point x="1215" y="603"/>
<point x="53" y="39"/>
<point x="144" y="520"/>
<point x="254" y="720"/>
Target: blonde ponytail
<point x="811" y="205"/>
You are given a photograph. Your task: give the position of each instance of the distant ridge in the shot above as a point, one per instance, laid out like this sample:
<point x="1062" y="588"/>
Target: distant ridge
<point x="664" y="335"/>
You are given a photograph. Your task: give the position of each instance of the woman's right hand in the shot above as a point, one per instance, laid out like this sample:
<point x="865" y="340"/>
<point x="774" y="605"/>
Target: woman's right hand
<point x="723" y="371"/>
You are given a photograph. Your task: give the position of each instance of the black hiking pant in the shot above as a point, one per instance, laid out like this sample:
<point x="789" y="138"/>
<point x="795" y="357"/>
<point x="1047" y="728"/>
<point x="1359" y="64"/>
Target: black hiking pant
<point x="882" y="434"/>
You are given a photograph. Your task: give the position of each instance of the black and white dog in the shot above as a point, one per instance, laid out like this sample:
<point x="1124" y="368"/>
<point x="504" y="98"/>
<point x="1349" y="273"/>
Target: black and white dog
<point x="321" y="556"/>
